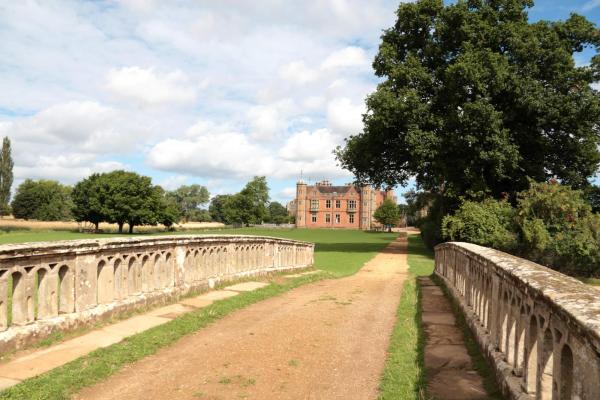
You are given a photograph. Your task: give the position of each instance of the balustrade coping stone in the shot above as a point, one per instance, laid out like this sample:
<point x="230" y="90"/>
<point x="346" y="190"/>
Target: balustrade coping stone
<point x="86" y="245"/>
<point x="576" y="301"/>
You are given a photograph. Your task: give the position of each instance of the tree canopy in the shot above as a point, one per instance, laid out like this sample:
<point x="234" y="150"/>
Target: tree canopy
<point x="475" y="100"/>
<point x="122" y="197"/>
<point x="249" y="206"/>
<point x="387" y="214"/>
<point x="189" y="199"/>
<point x="44" y="200"/>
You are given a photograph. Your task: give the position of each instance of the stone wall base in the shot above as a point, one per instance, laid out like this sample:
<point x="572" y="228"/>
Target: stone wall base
<point x="19" y="337"/>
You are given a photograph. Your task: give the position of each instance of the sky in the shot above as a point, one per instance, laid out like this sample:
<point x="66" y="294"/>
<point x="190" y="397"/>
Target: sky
<point x="208" y="92"/>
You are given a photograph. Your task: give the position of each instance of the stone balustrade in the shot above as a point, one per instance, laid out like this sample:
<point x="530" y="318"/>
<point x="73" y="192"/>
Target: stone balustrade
<point x="540" y="328"/>
<point x="62" y="285"/>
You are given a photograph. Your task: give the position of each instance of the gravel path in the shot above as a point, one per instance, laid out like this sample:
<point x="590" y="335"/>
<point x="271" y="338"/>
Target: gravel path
<point x="326" y="340"/>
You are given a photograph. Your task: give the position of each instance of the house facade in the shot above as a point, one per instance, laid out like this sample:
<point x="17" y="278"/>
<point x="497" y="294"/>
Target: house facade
<point x="326" y="206"/>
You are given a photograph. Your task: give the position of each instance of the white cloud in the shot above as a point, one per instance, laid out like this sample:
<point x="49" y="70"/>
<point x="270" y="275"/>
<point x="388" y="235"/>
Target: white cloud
<point x="590" y="5"/>
<point x="309" y="146"/>
<point x="344" y="117"/>
<point x="100" y="85"/>
<point x="351" y="56"/>
<point x="298" y="73"/>
<point x="84" y="126"/>
<point x="227" y="155"/>
<point x="287" y="193"/>
<point x="145" y="86"/>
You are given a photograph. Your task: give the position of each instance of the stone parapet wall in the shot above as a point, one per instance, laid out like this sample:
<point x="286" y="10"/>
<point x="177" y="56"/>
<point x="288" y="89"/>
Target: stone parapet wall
<point x="539" y="328"/>
<point x="63" y="285"/>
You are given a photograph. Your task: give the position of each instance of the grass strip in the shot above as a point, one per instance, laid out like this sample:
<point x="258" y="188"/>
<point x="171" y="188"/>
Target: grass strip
<point x="480" y="363"/>
<point x="64" y="381"/>
<point x="404" y="373"/>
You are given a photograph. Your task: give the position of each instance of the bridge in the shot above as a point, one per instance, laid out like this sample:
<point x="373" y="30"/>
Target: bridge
<point x="540" y="329"/>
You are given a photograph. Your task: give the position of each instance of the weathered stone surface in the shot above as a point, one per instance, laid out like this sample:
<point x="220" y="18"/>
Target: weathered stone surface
<point x="68" y="284"/>
<point x="539" y="328"/>
<point x="246" y="286"/>
<point x="466" y="385"/>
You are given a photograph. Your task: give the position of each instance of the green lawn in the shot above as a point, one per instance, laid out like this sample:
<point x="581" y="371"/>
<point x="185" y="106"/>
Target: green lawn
<point x="341" y="252"/>
<point x="404" y="374"/>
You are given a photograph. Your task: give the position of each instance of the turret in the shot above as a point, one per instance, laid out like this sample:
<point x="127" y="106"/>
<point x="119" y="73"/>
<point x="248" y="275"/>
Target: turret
<point x="301" y="189"/>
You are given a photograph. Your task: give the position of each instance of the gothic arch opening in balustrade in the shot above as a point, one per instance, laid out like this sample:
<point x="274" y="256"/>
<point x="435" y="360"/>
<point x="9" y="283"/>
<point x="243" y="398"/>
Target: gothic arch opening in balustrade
<point x="105" y="283"/>
<point x="546" y="383"/>
<point x="169" y="270"/>
<point x="566" y="373"/>
<point x="532" y="357"/>
<point x="511" y="337"/>
<point x="156" y="267"/>
<point x="146" y="270"/>
<point x="520" y="340"/>
<point x="46" y="297"/>
<point x="133" y="276"/>
<point x="19" y="303"/>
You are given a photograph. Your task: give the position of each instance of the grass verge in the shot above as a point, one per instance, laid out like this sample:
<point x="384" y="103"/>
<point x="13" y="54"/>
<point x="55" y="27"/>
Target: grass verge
<point x="64" y="381"/>
<point x="404" y="373"/>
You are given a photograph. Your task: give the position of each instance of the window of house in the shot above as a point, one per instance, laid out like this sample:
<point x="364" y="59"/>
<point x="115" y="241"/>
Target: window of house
<point x="337" y="218"/>
<point x="351" y="218"/>
<point x="314" y="204"/>
<point x="338" y="203"/>
<point x="327" y="203"/>
<point x="351" y="204"/>
<point x="328" y="218"/>
<point x="313" y="217"/>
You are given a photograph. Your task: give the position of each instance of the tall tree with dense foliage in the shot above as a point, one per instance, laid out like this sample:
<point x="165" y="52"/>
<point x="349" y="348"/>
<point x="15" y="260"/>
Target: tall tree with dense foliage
<point x="277" y="213"/>
<point x="189" y="199"/>
<point x="89" y="200"/>
<point x="44" y="200"/>
<point x="131" y="198"/>
<point x="475" y="100"/>
<point x="6" y="176"/>
<point x="387" y="214"/>
<point x="216" y="207"/>
<point x="249" y="206"/>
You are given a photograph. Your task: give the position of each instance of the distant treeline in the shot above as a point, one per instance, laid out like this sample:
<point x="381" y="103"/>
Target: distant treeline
<point x="123" y="197"/>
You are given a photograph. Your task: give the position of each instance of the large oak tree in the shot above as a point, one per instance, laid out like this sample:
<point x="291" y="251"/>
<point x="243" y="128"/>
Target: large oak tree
<point x="475" y="100"/>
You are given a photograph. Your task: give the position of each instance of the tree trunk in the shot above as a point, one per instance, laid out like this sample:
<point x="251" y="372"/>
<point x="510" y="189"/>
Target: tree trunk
<point x="97" y="226"/>
<point x="130" y="228"/>
<point x="120" y="227"/>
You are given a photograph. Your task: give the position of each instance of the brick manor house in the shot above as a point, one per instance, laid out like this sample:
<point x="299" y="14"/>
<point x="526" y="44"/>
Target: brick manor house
<point x="326" y="206"/>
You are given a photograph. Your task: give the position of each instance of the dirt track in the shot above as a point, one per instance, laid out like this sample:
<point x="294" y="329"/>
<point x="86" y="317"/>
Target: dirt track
<point x="326" y="340"/>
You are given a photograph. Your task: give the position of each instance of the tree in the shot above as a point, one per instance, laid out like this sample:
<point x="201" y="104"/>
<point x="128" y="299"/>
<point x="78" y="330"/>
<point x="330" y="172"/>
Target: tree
<point x="387" y="214"/>
<point x="130" y="198"/>
<point x="277" y="213"/>
<point x="216" y="208"/>
<point x="249" y="206"/>
<point x="475" y="100"/>
<point x="256" y="198"/>
<point x="43" y="200"/>
<point x="6" y="176"/>
<point x="592" y="193"/>
<point x="89" y="199"/>
<point x="189" y="199"/>
<point x="169" y="212"/>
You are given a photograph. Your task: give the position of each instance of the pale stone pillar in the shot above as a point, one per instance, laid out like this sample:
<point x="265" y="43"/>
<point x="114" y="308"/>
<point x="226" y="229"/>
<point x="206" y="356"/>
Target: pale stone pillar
<point x="86" y="281"/>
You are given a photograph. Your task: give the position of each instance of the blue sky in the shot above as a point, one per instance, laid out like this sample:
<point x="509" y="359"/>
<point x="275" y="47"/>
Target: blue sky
<point x="209" y="92"/>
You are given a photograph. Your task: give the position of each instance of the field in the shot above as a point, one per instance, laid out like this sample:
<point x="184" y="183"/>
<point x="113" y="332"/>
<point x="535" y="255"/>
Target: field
<point x="341" y="252"/>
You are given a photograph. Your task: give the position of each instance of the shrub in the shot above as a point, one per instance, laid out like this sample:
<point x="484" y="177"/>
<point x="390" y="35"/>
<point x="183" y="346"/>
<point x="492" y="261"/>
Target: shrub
<point x="557" y="228"/>
<point x="488" y="223"/>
